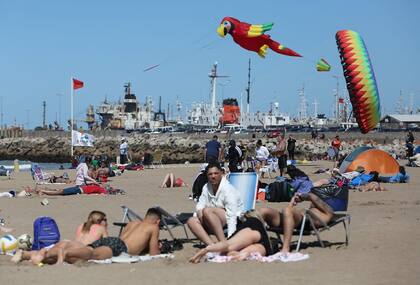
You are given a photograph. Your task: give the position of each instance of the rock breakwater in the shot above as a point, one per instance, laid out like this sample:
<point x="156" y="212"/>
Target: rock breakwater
<point x="176" y="148"/>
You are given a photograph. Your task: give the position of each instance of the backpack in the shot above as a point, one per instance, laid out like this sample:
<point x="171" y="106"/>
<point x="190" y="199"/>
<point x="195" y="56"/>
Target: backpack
<point x="45" y="232"/>
<point x="198" y="185"/>
<point x="279" y="191"/>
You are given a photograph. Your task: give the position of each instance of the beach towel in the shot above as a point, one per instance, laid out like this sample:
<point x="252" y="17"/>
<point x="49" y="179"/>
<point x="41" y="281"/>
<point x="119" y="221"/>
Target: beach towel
<point x="255" y="256"/>
<point x="126" y="258"/>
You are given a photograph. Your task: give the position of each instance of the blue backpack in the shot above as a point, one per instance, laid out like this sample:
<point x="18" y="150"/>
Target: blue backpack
<point x="45" y="232"/>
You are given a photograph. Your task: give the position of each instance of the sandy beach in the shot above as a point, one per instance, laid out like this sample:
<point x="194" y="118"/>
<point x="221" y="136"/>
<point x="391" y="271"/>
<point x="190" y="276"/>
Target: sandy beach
<point x="383" y="248"/>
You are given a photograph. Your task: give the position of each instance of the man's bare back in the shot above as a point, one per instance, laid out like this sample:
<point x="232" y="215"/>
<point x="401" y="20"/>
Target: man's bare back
<point x="139" y="236"/>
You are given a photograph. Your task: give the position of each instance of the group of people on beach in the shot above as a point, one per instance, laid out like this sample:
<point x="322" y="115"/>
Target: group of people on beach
<point x="219" y="220"/>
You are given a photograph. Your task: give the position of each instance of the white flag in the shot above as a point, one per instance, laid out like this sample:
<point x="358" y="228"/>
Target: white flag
<point x="82" y="139"/>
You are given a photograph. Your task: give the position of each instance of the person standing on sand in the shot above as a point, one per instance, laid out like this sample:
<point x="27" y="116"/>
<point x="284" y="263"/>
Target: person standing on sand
<point x="213" y="150"/>
<point x="280" y="152"/>
<point x="291" y="145"/>
<point x="336" y="145"/>
<point x="123" y="151"/>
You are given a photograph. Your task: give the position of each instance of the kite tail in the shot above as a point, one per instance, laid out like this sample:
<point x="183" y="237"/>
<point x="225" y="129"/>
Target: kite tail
<point x="277" y="47"/>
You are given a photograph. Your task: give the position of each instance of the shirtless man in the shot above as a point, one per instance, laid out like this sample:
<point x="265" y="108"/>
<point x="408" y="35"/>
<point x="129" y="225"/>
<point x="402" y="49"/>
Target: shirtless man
<point x="136" y="238"/>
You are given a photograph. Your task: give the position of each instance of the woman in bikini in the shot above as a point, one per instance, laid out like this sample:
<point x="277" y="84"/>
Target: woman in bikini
<point x="250" y="236"/>
<point x="94" y="228"/>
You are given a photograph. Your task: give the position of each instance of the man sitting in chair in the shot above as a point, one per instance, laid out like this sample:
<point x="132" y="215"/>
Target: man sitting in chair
<point x="137" y="237"/>
<point x="324" y="201"/>
<point x="219" y="205"/>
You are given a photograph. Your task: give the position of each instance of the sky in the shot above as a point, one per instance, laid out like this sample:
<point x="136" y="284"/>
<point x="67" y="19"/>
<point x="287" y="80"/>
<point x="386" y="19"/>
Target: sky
<point x="107" y="43"/>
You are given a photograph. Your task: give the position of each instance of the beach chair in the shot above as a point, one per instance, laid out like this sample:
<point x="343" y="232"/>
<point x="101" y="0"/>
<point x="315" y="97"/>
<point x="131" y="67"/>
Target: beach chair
<point x="157" y="159"/>
<point x="39" y="175"/>
<point x="247" y="185"/>
<point x="168" y="221"/>
<point x="338" y="218"/>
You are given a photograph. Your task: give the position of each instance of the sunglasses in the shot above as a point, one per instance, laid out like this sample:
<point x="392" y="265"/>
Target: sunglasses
<point x="104" y="220"/>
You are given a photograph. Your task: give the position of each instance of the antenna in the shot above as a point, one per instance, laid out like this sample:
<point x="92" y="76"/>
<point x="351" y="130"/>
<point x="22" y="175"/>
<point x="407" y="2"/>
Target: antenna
<point x="399" y="108"/>
<point x="302" y="103"/>
<point x="44" y="108"/>
<point x="248" y="88"/>
<point x="336" y="96"/>
<point x="315" y="103"/>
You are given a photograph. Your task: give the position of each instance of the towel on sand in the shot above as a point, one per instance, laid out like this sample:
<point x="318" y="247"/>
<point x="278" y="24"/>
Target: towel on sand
<point x="126" y="258"/>
<point x="279" y="256"/>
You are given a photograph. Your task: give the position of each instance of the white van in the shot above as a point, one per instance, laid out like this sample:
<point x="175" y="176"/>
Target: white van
<point x="236" y="129"/>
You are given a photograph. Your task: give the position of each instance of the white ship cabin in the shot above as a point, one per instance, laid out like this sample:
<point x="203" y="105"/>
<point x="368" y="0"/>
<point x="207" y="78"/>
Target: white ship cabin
<point x="265" y="120"/>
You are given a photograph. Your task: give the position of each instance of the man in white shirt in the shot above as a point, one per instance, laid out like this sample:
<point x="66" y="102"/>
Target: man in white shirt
<point x="219" y="205"/>
<point x="261" y="153"/>
<point x="123" y="151"/>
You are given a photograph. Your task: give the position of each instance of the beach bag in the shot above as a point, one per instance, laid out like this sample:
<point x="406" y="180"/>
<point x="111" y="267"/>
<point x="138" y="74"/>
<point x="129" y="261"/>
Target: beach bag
<point x="335" y="196"/>
<point x="46" y="233"/>
<point x="279" y="191"/>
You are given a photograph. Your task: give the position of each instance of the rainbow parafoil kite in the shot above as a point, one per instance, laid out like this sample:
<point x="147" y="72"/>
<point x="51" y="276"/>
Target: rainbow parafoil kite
<point x="360" y="79"/>
<point x="252" y="37"/>
<point x="323" y="65"/>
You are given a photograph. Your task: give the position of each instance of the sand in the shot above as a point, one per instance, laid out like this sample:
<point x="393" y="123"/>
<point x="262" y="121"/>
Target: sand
<point x="384" y="233"/>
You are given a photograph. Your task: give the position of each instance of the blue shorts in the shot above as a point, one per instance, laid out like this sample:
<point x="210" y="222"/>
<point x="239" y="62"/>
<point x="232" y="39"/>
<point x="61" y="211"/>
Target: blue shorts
<point x="72" y="190"/>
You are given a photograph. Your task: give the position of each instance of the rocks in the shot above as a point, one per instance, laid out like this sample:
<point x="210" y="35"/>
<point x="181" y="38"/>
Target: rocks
<point x="176" y="148"/>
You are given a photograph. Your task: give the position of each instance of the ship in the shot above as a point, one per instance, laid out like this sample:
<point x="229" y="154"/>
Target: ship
<point x="229" y="113"/>
<point x="128" y="114"/>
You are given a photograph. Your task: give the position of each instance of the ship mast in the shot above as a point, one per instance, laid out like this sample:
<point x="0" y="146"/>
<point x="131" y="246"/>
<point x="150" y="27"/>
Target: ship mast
<point x="213" y="75"/>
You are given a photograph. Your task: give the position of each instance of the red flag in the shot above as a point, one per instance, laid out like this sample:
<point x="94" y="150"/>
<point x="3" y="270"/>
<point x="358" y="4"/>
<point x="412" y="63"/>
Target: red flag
<point x="77" y="84"/>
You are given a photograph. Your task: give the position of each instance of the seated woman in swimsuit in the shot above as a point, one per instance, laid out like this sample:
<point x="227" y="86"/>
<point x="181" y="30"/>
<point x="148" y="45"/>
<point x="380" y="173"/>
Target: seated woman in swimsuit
<point x="93" y="229"/>
<point x="250" y="236"/>
<point x="169" y="181"/>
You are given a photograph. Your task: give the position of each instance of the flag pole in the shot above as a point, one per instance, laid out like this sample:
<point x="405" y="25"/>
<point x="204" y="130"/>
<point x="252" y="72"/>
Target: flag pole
<point x="71" y="117"/>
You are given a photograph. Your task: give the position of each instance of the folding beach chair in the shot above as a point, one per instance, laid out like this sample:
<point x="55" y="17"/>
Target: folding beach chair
<point x="39" y="175"/>
<point x="338" y="218"/>
<point x="128" y="216"/>
<point x="157" y="159"/>
<point x="168" y="221"/>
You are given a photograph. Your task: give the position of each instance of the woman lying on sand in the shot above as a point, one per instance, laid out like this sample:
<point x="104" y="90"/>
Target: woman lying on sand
<point x="94" y="228"/>
<point x="169" y="181"/>
<point x="250" y="236"/>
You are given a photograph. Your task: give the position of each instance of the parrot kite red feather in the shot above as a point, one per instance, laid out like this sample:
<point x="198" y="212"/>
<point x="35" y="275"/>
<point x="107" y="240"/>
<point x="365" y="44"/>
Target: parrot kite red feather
<point x="252" y="37"/>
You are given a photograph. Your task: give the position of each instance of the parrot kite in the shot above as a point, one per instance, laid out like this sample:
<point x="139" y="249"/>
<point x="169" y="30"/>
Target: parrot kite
<point x="252" y="37"/>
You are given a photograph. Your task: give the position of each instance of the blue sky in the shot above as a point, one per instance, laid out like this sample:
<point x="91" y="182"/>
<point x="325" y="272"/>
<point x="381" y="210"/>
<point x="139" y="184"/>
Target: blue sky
<point x="107" y="43"/>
